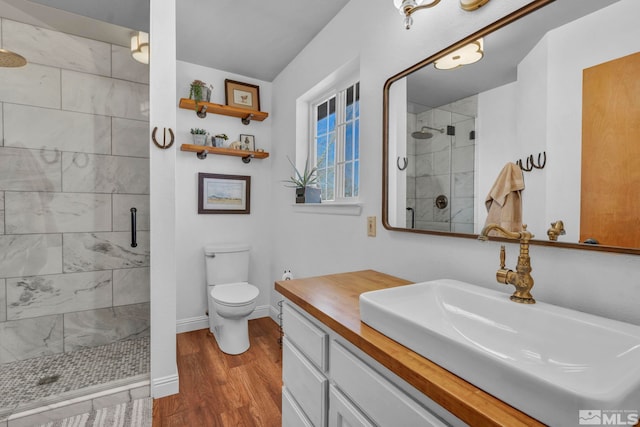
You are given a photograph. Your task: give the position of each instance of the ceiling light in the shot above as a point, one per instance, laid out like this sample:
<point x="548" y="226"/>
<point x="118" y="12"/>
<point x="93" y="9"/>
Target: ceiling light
<point x="140" y="47"/>
<point x="473" y="52"/>
<point x="407" y="7"/>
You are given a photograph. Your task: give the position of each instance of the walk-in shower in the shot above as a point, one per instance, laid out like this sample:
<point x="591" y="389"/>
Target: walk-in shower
<point x="74" y="291"/>
<point x="440" y="172"/>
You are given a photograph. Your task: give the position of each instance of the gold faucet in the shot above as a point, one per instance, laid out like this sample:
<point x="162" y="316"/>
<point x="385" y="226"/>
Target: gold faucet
<point x="557" y="229"/>
<point x="521" y="278"/>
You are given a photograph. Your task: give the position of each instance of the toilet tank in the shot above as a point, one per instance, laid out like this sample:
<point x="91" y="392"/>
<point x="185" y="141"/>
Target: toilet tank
<point x="226" y="264"/>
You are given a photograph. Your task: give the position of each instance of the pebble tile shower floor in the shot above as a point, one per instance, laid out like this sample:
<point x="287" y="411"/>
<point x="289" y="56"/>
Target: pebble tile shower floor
<point x="28" y="381"/>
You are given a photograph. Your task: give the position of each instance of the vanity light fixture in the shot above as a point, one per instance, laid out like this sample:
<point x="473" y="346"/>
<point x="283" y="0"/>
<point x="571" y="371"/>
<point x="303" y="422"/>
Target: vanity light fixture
<point x="407" y="7"/>
<point x="473" y="52"/>
<point x="140" y="46"/>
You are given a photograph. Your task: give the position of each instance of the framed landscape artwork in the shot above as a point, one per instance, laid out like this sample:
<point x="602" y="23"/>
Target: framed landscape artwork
<point x="223" y="194"/>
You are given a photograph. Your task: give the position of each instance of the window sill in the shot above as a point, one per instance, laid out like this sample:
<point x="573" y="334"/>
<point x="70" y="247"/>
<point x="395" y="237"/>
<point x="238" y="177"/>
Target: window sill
<point x="353" y="209"/>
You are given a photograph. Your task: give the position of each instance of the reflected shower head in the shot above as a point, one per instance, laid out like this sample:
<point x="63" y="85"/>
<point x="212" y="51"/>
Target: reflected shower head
<point x="424" y="134"/>
<point x="421" y="134"/>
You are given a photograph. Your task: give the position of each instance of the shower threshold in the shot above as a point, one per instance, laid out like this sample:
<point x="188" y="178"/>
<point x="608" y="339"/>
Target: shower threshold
<point x="46" y="380"/>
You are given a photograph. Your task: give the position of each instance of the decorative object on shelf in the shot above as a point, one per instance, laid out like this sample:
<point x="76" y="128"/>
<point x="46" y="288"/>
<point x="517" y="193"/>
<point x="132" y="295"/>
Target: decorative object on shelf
<point x="248" y="142"/>
<point x="200" y="92"/>
<point x="304" y="183"/>
<point x="223" y="194"/>
<point x="199" y="136"/>
<point x="408" y="7"/>
<point x="242" y="95"/>
<point x="140" y="46"/>
<point x="219" y="140"/>
<point x="164" y="145"/>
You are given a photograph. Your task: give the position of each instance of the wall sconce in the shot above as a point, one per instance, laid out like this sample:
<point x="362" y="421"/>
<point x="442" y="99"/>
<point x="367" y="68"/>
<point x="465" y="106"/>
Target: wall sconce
<point x="468" y="54"/>
<point x="140" y="46"/>
<point x="407" y="7"/>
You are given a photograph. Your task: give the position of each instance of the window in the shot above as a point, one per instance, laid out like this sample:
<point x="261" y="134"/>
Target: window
<point x="336" y="137"/>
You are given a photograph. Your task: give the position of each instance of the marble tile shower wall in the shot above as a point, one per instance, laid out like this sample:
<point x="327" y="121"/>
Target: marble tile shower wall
<point x="444" y="165"/>
<point x="73" y="161"/>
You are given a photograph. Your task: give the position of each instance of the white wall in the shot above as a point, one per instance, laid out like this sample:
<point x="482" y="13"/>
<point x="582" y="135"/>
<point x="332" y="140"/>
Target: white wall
<point x="311" y="244"/>
<point x="193" y="230"/>
<point x="547" y="101"/>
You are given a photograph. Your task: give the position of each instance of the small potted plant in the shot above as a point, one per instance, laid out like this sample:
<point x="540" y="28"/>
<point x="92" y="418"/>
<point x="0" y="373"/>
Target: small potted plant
<point x="199" y="136"/>
<point x="200" y="91"/>
<point x="219" y="139"/>
<point x="305" y="184"/>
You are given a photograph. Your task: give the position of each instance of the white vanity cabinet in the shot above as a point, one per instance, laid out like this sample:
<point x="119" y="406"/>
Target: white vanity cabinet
<point x="329" y="382"/>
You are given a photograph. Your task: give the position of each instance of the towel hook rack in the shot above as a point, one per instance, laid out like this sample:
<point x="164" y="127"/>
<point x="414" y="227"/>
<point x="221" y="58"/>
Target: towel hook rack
<point x="164" y="145"/>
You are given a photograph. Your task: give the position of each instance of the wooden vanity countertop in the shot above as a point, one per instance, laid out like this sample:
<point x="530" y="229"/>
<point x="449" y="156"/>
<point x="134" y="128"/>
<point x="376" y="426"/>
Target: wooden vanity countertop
<point x="334" y="300"/>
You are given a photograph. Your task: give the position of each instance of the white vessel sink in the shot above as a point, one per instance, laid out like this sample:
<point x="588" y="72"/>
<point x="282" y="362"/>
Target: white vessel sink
<point x="547" y="361"/>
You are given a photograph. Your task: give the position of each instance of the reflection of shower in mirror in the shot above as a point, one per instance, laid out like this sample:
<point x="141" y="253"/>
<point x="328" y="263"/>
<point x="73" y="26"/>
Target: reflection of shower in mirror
<point x="424" y="134"/>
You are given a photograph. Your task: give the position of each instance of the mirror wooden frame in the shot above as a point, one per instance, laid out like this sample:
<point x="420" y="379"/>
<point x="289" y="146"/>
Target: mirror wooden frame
<point x="508" y="19"/>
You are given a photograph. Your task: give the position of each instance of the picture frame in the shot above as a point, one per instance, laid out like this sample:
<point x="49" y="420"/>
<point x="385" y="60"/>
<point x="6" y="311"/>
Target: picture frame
<point x="242" y="95"/>
<point x="248" y="142"/>
<point x="224" y="194"/>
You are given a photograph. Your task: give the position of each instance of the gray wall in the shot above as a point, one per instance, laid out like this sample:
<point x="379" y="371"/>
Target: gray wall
<point x="73" y="160"/>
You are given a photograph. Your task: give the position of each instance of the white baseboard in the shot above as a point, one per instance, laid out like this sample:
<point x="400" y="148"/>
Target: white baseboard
<point x="164" y="386"/>
<point x="202" y="322"/>
<point x="192" y="324"/>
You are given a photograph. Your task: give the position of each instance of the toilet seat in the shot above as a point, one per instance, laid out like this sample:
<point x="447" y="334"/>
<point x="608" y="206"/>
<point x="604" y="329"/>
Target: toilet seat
<point x="234" y="294"/>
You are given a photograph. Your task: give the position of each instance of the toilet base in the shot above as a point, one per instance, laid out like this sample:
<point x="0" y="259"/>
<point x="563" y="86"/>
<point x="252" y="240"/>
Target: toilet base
<point x="232" y="335"/>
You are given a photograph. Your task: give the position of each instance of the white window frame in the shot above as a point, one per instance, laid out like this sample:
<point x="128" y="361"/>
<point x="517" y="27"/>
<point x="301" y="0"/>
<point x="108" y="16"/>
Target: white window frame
<point x="340" y="94"/>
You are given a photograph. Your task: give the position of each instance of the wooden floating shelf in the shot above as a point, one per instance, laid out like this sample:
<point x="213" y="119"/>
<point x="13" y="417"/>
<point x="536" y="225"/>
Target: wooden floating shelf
<point x="199" y="149"/>
<point x="225" y="110"/>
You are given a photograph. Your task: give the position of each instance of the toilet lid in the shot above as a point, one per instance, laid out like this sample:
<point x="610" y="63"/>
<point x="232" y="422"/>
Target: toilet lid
<point x="231" y="294"/>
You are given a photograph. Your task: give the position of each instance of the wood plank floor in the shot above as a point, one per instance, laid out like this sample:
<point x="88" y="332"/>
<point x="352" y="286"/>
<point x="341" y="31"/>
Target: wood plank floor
<point x="221" y="390"/>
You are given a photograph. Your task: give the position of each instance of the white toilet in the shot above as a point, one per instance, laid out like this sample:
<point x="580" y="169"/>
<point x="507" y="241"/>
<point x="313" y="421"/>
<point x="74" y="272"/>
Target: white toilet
<point x="231" y="298"/>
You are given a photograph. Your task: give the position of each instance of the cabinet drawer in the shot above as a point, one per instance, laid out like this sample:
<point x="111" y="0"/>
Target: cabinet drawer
<point x="310" y="339"/>
<point x="382" y="401"/>
<point x="306" y="383"/>
<point x="342" y="413"/>
<point x="292" y="415"/>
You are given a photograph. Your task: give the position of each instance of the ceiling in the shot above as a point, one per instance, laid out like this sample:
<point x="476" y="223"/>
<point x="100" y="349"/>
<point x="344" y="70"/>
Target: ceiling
<point x="503" y="51"/>
<point x="254" y="38"/>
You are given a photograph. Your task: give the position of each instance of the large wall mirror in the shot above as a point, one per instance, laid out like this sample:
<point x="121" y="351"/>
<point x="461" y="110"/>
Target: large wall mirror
<point x="557" y="87"/>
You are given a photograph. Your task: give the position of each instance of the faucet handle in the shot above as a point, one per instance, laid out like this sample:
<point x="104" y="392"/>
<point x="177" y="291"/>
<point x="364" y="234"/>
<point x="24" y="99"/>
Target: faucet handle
<point x="503" y="257"/>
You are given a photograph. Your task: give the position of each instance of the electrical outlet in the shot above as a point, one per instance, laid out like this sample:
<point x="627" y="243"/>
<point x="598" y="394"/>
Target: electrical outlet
<point x="371" y="226"/>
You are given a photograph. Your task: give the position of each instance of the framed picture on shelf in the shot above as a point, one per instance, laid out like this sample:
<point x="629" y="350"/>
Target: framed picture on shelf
<point x="248" y="142"/>
<point x="243" y="95"/>
<point x="223" y="194"/>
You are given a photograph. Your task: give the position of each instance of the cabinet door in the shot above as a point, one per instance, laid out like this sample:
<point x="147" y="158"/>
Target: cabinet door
<point x="380" y="399"/>
<point x="342" y="413"/>
<point x="307" y="385"/>
<point x="292" y="415"/>
<point x="308" y="338"/>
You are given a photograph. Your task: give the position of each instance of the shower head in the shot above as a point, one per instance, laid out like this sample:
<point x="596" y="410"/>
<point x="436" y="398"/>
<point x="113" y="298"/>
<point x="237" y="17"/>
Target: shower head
<point x="421" y="134"/>
<point x="424" y="134"/>
<point x="11" y="59"/>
